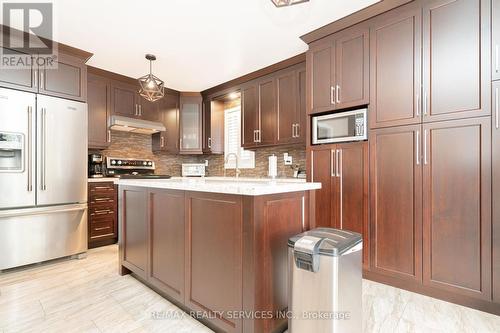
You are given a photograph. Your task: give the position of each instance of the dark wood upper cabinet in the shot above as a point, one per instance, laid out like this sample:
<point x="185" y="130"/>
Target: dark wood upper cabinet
<point x="352" y="69"/>
<point x="321" y="66"/>
<point x="457" y="206"/>
<point x="191" y="120"/>
<point x="213" y="119"/>
<point x="291" y="105"/>
<point x="395" y="67"/>
<point x="99" y="105"/>
<point x="266" y="134"/>
<point x="496" y="190"/>
<point x="339" y="70"/>
<point x="24" y="79"/>
<point x="287" y="106"/>
<point x="396" y="202"/>
<point x="148" y="110"/>
<point x="123" y="100"/>
<point x="166" y="242"/>
<point x="249" y="115"/>
<point x="134" y="222"/>
<point x="168" y="141"/>
<point x="68" y="80"/>
<point x="495" y="38"/>
<point x="456" y="73"/>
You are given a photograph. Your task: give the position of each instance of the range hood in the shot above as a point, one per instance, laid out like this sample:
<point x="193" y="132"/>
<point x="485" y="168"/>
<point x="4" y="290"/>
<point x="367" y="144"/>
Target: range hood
<point x="125" y="124"/>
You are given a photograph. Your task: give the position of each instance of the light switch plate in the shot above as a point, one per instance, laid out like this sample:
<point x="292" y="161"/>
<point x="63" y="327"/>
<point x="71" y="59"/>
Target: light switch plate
<point x="287" y="159"/>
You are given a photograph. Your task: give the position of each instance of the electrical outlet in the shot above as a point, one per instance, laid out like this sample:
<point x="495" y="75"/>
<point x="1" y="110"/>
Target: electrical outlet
<point x="287" y="159"/>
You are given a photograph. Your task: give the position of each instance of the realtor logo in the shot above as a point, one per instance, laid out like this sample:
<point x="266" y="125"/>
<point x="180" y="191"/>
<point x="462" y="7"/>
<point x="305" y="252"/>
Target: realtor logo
<point x="27" y="34"/>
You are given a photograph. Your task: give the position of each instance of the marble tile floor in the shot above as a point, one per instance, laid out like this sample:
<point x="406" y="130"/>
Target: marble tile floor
<point x="88" y="295"/>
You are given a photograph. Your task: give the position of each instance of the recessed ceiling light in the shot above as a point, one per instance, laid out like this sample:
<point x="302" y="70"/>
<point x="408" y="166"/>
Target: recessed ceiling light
<point x="284" y="3"/>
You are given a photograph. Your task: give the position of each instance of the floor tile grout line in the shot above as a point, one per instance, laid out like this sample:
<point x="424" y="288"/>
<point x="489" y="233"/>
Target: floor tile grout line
<point x="402" y="313"/>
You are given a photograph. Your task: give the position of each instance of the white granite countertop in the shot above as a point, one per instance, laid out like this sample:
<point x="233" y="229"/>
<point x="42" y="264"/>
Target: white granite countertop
<point x="226" y="185"/>
<point x="102" y="179"/>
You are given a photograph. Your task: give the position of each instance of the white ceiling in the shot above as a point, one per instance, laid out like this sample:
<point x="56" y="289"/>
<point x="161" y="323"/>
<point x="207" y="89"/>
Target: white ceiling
<point x="198" y="43"/>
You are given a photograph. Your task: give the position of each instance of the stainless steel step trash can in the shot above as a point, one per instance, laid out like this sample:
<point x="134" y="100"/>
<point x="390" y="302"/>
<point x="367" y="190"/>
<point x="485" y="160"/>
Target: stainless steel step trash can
<point x="325" y="281"/>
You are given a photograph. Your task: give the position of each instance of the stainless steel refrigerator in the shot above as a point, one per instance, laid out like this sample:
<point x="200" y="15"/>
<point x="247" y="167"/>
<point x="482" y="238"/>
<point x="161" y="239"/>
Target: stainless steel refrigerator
<point x="43" y="178"/>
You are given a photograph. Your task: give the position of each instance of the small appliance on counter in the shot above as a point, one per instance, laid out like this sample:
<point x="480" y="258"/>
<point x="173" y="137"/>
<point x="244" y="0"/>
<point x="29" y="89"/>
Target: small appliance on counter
<point x="193" y="170"/>
<point x="96" y="169"/>
<point x="131" y="168"/>
<point x="273" y="166"/>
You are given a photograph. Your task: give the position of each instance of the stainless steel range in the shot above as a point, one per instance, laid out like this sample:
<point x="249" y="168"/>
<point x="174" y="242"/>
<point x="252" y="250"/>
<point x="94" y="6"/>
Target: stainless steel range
<point x="43" y="178"/>
<point x="131" y="168"/>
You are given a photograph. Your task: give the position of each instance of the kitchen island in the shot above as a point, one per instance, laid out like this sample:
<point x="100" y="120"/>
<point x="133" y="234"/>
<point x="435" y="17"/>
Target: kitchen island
<point x="215" y="247"/>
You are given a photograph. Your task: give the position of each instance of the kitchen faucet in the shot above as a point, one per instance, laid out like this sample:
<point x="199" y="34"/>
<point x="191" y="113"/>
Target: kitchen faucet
<point x="236" y="158"/>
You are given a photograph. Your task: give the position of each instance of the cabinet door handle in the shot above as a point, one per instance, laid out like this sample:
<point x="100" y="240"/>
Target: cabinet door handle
<point x="35" y="78"/>
<point x="209" y="143"/>
<point x="332" y="95"/>
<point x="425" y="147"/>
<point x="254" y="136"/>
<point x="417" y="144"/>
<point x="42" y="84"/>
<point x="135" y="109"/>
<point x="337" y="94"/>
<point x="312" y="165"/>
<point x="418" y="106"/>
<point x="496" y="58"/>
<point x="44" y="148"/>
<point x="332" y="162"/>
<point x="496" y="107"/>
<point x="30" y="176"/>
<point x="109" y="136"/>
<point x="140" y="110"/>
<point x="337" y="162"/>
<point x="293" y="130"/>
<point x="425" y="104"/>
<point x="298" y="130"/>
<point x="162" y="141"/>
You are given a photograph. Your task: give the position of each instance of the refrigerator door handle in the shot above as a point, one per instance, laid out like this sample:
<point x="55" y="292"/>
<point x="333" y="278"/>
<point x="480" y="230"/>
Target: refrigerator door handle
<point x="43" y="210"/>
<point x="29" y="152"/>
<point x="43" y="150"/>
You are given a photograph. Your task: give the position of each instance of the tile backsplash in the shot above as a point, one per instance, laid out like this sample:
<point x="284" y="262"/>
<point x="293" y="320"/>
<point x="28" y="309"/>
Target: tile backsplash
<point x="129" y="145"/>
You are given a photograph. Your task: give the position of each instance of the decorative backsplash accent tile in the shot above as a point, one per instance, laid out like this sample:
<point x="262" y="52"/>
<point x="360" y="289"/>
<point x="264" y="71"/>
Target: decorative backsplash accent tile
<point x="131" y="145"/>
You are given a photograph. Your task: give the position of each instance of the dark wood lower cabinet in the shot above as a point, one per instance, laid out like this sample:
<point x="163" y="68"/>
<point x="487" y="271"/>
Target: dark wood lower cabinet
<point x="496" y="187"/>
<point x="214" y="254"/>
<point x="342" y="201"/>
<point x="103" y="213"/>
<point x="457" y="206"/>
<point x="396" y="202"/>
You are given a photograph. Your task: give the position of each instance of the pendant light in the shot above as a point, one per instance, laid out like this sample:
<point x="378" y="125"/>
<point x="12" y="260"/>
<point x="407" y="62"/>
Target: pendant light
<point x="284" y="3"/>
<point x="151" y="86"/>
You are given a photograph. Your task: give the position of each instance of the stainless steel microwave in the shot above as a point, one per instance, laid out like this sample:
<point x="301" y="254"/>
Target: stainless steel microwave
<point x="340" y="127"/>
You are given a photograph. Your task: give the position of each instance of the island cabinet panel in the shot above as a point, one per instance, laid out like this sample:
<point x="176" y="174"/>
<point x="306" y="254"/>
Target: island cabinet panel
<point x="396" y="202"/>
<point x="457" y="207"/>
<point x="269" y="221"/>
<point x="395" y="65"/>
<point x="166" y="242"/>
<point x="134" y="232"/>
<point x="456" y="59"/>
<point x="214" y="256"/>
<point x="496" y="190"/>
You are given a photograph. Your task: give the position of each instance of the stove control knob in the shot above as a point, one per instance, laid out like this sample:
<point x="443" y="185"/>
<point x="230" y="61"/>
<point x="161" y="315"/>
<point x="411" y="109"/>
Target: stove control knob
<point x="144" y="163"/>
<point x="113" y="162"/>
<point x="150" y="163"/>
<point x="119" y="162"/>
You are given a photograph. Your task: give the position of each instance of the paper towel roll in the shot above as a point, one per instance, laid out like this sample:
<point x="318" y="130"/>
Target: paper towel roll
<point x="273" y="166"/>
